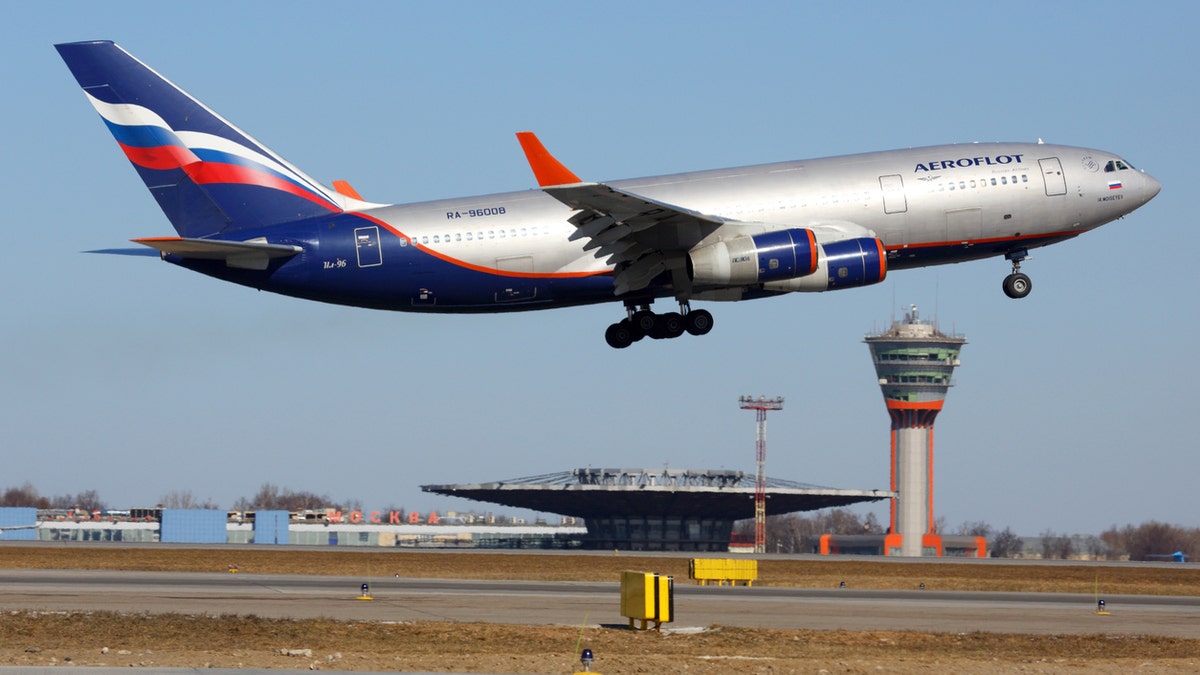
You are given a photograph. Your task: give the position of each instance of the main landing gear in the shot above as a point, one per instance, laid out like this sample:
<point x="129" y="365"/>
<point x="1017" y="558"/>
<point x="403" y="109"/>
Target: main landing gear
<point x="1017" y="285"/>
<point x="641" y="322"/>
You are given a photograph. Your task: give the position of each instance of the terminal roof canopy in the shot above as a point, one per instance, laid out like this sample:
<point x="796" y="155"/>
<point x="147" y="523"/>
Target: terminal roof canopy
<point x="603" y="493"/>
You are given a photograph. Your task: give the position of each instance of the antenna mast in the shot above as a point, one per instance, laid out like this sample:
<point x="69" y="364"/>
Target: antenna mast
<point x="760" y="407"/>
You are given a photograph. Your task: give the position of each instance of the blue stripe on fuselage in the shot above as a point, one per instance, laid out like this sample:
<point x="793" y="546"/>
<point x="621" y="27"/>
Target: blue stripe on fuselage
<point x="940" y="254"/>
<point x="407" y="278"/>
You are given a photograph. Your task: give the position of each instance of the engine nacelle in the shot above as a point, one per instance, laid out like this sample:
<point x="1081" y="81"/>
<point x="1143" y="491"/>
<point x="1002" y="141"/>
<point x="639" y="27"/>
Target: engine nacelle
<point x="755" y="259"/>
<point x="843" y="264"/>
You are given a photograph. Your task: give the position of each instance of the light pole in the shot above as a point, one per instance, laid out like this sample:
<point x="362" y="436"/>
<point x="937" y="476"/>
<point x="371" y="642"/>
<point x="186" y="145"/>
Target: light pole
<point x="760" y="406"/>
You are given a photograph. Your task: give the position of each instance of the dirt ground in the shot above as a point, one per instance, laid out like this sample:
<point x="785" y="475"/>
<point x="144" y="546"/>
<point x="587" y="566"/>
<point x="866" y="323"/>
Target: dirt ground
<point x="83" y="638"/>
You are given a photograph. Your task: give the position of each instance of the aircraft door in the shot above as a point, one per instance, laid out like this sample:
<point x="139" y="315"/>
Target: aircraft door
<point x="894" y="200"/>
<point x="1052" y="173"/>
<point x="366" y="242"/>
<point x="516" y="288"/>
<point x="964" y="225"/>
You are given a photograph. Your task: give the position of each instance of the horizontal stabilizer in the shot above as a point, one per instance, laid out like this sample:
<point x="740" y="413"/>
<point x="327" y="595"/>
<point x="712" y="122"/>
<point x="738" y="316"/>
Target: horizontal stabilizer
<point x="346" y="189"/>
<point x="140" y="252"/>
<point x="255" y="254"/>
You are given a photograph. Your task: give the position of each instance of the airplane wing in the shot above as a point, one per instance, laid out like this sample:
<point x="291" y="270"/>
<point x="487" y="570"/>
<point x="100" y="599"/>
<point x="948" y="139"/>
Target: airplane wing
<point x="255" y="254"/>
<point x="640" y="237"/>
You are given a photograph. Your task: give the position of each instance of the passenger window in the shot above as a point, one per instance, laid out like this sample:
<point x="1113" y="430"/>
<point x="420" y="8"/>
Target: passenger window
<point x="468" y="236"/>
<point x="1004" y="180"/>
<point x="491" y="234"/>
<point x="435" y="239"/>
<point x="425" y="239"/>
<point x="993" y="181"/>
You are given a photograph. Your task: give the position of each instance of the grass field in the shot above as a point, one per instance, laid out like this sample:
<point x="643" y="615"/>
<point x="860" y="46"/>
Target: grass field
<point x="1165" y="579"/>
<point x="90" y="638"/>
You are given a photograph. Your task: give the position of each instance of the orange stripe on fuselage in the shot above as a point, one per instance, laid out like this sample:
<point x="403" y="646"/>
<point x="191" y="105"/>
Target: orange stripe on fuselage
<point x="976" y="242"/>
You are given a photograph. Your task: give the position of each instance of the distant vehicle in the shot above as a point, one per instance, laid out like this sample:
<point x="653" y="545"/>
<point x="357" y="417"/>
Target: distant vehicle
<point x="244" y="214"/>
<point x="1177" y="556"/>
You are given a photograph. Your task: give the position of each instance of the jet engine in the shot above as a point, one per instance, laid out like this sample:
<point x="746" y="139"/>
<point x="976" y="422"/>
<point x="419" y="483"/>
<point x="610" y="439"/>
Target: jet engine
<point x="755" y="259"/>
<point x="841" y="264"/>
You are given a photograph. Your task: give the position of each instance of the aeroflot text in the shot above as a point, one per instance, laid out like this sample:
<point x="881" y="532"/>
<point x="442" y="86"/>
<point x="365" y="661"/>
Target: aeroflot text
<point x="969" y="161"/>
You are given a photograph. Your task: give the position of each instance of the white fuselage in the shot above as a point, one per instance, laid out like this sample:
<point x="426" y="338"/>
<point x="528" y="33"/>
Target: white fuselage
<point x="927" y="205"/>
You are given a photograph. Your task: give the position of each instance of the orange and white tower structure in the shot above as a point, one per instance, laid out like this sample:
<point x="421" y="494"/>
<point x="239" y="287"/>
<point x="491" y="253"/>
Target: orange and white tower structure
<point x="760" y="406"/>
<point x="914" y="362"/>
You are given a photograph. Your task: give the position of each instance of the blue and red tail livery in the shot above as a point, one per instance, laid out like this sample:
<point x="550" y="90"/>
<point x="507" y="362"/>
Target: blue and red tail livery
<point x="244" y="214"/>
<point x="187" y="154"/>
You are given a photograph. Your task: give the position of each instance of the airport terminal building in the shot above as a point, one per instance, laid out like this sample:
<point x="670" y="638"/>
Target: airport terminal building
<point x="625" y="509"/>
<point x="655" y="509"/>
<point x="310" y="528"/>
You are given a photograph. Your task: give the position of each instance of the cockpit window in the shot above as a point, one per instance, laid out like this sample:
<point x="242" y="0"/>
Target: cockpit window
<point x="1117" y="165"/>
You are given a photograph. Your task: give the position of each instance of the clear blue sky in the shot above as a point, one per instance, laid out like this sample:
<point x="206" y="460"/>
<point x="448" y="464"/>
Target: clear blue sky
<point x="137" y="378"/>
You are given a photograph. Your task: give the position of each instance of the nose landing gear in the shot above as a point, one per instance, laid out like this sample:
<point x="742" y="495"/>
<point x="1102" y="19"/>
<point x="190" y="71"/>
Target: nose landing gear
<point x="640" y="322"/>
<point x="1017" y="285"/>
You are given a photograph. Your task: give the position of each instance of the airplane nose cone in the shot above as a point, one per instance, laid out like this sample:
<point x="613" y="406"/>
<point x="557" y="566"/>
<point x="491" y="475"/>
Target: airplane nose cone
<point x="1152" y="186"/>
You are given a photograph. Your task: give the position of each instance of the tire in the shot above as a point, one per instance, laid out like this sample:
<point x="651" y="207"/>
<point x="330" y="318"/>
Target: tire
<point x="643" y="321"/>
<point x="698" y="322"/>
<point x="669" y="325"/>
<point x="618" y="335"/>
<point x="672" y="324"/>
<point x="1017" y="285"/>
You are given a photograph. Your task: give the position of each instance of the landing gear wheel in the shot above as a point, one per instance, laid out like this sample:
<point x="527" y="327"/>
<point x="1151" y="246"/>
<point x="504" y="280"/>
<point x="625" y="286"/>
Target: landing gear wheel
<point x="698" y="322"/>
<point x="666" y="326"/>
<point x="1017" y="285"/>
<point x="643" y="321"/>
<point x="619" y="335"/>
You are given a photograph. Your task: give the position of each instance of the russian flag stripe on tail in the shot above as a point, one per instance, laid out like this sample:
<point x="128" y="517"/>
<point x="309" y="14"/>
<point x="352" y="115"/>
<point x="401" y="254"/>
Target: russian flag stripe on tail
<point x="187" y="154"/>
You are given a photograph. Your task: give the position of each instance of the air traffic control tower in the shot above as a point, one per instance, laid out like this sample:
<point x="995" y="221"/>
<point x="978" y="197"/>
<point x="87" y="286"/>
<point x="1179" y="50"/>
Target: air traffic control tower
<point x="914" y="361"/>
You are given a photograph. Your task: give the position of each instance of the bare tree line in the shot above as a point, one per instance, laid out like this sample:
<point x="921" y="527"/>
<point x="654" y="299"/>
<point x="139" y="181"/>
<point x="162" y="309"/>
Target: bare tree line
<point x="269" y="497"/>
<point x="797" y="533"/>
<point x="27" y="495"/>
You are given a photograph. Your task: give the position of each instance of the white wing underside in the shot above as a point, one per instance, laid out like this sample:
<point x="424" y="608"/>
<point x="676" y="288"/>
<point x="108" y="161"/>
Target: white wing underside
<point x="640" y="237"/>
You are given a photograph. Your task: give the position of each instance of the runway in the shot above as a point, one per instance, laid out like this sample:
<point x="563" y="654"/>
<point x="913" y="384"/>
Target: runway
<point x="574" y="603"/>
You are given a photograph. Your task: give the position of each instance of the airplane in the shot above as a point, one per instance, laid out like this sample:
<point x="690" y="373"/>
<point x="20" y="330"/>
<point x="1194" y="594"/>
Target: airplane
<point x="244" y="214"/>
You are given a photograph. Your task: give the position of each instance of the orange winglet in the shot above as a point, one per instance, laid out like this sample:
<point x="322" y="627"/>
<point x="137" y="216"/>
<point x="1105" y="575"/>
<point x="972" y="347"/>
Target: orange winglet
<point x="344" y="188"/>
<point x="548" y="171"/>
